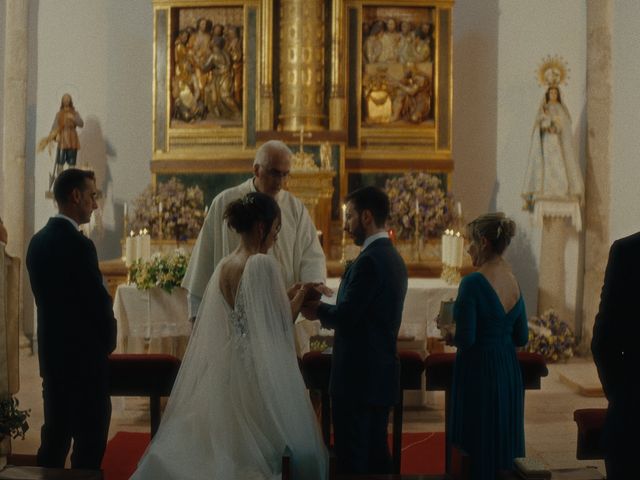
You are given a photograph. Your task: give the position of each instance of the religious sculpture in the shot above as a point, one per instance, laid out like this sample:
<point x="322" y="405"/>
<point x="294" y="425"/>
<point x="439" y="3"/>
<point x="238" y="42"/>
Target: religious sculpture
<point x="397" y="70"/>
<point x="553" y="173"/>
<point x="206" y="84"/>
<point x="63" y="132"/>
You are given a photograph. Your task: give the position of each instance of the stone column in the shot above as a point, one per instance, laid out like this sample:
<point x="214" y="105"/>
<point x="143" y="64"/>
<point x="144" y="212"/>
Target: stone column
<point x="14" y="123"/>
<point x="301" y="65"/>
<point x="599" y="156"/>
<point x="559" y="270"/>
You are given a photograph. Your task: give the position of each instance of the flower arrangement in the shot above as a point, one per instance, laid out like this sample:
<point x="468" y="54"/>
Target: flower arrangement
<point x="163" y="271"/>
<point x="419" y="202"/>
<point x="171" y="211"/>
<point x="13" y="422"/>
<point x="550" y="337"/>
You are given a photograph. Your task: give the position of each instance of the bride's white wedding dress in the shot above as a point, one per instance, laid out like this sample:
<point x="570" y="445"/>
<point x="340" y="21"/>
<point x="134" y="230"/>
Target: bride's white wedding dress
<point x="239" y="397"/>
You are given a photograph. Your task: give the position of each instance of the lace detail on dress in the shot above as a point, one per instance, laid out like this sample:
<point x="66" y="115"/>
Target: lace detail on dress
<point x="239" y="318"/>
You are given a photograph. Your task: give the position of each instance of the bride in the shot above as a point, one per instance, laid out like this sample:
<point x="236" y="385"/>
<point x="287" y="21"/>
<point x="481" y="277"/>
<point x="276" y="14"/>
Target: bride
<point x="239" y="398"/>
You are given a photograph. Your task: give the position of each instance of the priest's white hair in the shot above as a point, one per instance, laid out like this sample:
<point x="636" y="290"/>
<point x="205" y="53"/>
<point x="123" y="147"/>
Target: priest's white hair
<point x="269" y="150"/>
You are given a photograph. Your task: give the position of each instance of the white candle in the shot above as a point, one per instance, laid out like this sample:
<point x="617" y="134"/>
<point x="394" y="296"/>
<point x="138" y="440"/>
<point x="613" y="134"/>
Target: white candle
<point x="126" y="211"/>
<point x="446" y="248"/>
<point x="146" y="246"/>
<point x="128" y="251"/>
<point x="460" y="241"/>
<point x="344" y="214"/>
<point x="458" y="209"/>
<point x="139" y="246"/>
<point x="455" y="257"/>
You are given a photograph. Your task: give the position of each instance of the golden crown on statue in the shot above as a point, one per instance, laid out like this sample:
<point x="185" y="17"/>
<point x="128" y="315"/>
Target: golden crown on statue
<point x="553" y="71"/>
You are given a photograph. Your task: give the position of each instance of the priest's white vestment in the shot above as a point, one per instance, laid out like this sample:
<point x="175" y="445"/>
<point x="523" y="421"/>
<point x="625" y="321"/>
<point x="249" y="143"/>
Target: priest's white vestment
<point x="297" y="249"/>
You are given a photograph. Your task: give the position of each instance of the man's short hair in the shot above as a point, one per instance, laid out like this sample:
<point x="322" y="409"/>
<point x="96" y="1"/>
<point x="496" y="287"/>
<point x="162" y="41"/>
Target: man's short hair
<point x="68" y="180"/>
<point x="373" y="199"/>
<point x="270" y="149"/>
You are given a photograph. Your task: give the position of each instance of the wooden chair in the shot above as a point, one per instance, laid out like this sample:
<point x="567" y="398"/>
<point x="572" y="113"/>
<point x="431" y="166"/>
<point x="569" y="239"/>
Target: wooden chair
<point x="590" y="422"/>
<point x="439" y="376"/>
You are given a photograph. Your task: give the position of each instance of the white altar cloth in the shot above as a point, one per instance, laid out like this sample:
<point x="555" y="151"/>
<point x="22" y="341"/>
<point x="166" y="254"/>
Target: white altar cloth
<point x="421" y="305"/>
<point x="151" y="321"/>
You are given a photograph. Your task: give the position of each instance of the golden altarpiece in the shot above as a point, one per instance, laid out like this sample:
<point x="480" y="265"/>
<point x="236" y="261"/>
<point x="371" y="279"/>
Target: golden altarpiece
<point x="360" y="90"/>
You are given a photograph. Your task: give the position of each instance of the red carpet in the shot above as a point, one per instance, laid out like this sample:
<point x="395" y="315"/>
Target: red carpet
<point x="421" y="453"/>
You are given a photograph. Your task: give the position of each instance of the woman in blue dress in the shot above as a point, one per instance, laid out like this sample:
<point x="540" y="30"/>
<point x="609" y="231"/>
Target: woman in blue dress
<point x="487" y="415"/>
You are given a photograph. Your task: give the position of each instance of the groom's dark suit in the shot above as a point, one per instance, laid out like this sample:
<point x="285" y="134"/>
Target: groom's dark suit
<point x="616" y="352"/>
<point x="365" y="366"/>
<point x="76" y="333"/>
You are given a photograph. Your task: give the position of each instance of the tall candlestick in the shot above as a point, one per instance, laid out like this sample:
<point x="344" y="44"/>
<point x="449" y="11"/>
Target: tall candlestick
<point x="343" y="243"/>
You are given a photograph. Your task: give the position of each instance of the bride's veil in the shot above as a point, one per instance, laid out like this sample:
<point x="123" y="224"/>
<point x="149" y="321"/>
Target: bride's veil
<point x="239" y="397"/>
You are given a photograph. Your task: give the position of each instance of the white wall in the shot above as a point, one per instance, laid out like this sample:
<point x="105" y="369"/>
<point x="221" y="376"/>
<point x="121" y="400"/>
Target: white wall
<point x="475" y="109"/>
<point x="625" y="191"/>
<point x="100" y="52"/>
<point x="528" y="32"/>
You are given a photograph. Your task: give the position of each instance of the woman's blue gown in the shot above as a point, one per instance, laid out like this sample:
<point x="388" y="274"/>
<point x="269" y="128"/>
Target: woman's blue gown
<point x="487" y="412"/>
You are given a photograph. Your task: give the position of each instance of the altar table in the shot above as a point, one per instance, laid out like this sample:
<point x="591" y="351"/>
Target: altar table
<point x="151" y="321"/>
<point x="421" y="306"/>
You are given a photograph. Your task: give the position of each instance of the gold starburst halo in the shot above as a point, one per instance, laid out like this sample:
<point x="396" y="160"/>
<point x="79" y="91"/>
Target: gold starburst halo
<point x="553" y="71"/>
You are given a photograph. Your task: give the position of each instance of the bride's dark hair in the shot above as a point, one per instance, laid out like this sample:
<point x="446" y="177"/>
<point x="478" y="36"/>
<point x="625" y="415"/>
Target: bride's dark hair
<point x="243" y="214"/>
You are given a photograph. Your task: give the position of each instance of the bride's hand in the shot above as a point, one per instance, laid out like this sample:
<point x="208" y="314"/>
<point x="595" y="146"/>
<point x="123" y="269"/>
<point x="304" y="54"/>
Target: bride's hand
<point x="296" y="297"/>
<point x="293" y="289"/>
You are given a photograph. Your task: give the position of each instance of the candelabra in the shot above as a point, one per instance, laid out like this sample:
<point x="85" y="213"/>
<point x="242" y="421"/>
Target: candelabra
<point x="450" y="274"/>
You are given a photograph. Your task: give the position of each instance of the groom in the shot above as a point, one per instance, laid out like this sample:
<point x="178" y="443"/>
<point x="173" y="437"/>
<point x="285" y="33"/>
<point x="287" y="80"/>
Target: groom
<point x="366" y="318"/>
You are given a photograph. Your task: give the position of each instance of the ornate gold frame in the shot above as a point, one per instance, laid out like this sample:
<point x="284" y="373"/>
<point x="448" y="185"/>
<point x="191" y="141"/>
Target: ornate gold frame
<point x="190" y="149"/>
<point x="393" y="149"/>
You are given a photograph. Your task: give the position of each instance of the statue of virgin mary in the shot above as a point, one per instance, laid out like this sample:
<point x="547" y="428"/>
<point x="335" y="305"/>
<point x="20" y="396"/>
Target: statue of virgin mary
<point x="553" y="172"/>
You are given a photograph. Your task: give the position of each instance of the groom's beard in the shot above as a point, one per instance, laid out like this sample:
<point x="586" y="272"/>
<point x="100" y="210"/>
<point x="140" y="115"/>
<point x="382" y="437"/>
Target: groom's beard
<point x="358" y="234"/>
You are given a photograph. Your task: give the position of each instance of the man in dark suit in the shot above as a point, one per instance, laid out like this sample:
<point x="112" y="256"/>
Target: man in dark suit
<point x="616" y="352"/>
<point x="76" y="328"/>
<point x="366" y="318"/>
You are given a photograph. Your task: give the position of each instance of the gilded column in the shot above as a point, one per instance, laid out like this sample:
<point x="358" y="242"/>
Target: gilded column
<point x="301" y="65"/>
<point x="265" y="120"/>
<point x="336" y="95"/>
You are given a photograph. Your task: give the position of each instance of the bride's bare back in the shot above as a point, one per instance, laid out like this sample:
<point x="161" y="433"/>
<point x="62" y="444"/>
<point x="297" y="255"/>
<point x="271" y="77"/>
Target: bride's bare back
<point x="230" y="274"/>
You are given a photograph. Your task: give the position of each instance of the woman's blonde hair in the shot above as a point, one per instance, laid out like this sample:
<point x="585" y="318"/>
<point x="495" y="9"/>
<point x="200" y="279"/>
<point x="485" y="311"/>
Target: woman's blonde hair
<point x="496" y="228"/>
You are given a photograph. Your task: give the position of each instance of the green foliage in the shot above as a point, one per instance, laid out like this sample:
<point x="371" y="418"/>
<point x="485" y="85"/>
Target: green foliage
<point x="12" y="420"/>
<point x="163" y="271"/>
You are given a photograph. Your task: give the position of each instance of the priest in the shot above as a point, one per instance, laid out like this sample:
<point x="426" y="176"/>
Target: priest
<point x="297" y="250"/>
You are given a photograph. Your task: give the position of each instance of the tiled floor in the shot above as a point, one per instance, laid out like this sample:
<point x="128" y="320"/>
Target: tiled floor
<point x="549" y="426"/>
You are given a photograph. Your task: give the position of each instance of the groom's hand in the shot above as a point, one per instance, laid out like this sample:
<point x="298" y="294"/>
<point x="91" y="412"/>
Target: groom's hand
<point x="310" y="310"/>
